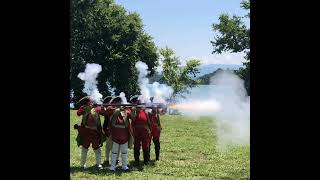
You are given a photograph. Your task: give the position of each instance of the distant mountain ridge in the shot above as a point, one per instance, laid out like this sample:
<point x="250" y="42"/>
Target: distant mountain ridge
<point x="206" y="69"/>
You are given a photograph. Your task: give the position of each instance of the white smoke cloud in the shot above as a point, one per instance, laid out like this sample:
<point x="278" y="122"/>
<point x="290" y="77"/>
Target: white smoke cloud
<point x="227" y="102"/>
<point x="111" y="89"/>
<point x="89" y="76"/>
<point x="233" y="119"/>
<point x="160" y="92"/>
<point x="123" y="98"/>
<point x="143" y="81"/>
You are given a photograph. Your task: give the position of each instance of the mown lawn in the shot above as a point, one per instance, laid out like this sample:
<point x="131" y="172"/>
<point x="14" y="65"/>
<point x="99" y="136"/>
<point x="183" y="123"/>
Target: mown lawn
<point x="188" y="151"/>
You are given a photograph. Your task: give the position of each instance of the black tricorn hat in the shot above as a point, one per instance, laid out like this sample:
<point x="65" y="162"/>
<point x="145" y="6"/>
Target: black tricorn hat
<point x="84" y="100"/>
<point x="134" y="98"/>
<point x="116" y="100"/>
<point x="107" y="99"/>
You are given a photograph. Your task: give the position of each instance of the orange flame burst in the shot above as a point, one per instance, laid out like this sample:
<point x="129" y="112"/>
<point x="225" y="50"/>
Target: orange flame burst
<point x="197" y="106"/>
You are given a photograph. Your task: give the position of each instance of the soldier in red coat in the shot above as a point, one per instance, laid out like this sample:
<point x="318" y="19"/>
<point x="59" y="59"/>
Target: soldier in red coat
<point x="120" y="134"/>
<point x="90" y="131"/>
<point x="107" y="116"/>
<point x="155" y="130"/>
<point x="141" y="125"/>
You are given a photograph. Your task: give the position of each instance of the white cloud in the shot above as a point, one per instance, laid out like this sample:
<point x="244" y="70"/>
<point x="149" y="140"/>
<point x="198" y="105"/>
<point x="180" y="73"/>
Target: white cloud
<point x="224" y="58"/>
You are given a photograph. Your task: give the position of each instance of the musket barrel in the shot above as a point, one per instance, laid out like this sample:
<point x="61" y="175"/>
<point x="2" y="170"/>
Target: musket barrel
<point x="120" y="104"/>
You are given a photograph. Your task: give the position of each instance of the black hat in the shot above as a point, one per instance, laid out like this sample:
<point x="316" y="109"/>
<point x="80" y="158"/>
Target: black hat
<point x="107" y="99"/>
<point x="116" y="100"/>
<point x="134" y="98"/>
<point x="84" y="100"/>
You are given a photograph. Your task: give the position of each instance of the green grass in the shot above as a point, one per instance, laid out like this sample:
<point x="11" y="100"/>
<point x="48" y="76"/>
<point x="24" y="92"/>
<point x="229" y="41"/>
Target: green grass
<point x="188" y="151"/>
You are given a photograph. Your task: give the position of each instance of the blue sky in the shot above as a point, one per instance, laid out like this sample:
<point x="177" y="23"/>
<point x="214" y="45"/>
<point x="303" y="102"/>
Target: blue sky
<point x="186" y="25"/>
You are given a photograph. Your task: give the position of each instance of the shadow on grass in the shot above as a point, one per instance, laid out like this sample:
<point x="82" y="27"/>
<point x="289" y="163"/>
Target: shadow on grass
<point x="94" y="170"/>
<point x="91" y="170"/>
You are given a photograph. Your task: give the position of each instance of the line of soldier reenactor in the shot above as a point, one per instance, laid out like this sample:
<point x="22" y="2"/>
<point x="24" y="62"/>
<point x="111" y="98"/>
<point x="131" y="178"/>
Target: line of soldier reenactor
<point x="123" y="127"/>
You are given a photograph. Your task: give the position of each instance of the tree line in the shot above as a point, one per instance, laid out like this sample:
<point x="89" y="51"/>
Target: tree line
<point x="105" y="33"/>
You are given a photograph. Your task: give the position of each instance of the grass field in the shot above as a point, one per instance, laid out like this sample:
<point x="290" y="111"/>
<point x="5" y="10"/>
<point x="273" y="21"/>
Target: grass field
<point x="188" y="151"/>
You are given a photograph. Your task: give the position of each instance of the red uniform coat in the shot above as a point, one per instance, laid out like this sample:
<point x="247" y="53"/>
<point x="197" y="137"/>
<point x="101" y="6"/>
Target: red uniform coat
<point x="141" y="126"/>
<point x="155" y="126"/>
<point x="120" y="128"/>
<point x="90" y="129"/>
<point x="107" y="115"/>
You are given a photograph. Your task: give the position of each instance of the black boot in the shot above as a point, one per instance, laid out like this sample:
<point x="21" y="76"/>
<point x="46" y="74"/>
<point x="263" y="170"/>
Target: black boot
<point x="149" y="149"/>
<point x="157" y="148"/>
<point x="146" y="156"/>
<point x="136" y="156"/>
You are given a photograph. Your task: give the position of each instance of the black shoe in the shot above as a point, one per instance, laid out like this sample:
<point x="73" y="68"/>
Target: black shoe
<point x="136" y="163"/>
<point x="157" y="155"/>
<point x="136" y="157"/>
<point x="127" y="170"/>
<point x="146" y="157"/>
<point x="157" y="149"/>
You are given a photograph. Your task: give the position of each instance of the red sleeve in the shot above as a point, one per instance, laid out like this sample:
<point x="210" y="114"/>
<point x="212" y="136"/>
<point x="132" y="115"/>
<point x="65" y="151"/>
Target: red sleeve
<point x="80" y="111"/>
<point x="148" y="120"/>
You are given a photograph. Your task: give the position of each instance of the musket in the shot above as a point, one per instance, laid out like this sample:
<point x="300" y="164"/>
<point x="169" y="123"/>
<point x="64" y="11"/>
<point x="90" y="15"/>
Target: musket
<point x="153" y="104"/>
<point x="119" y="105"/>
<point x="144" y="105"/>
<point x="140" y="104"/>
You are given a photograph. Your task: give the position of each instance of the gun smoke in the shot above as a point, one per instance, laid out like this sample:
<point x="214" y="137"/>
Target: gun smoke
<point x="123" y="98"/>
<point x="228" y="104"/>
<point x="160" y="92"/>
<point x="110" y="89"/>
<point x="89" y="77"/>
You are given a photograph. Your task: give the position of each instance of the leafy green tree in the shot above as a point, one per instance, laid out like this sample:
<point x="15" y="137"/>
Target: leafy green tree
<point x="179" y="78"/>
<point x="234" y="36"/>
<point x="105" y="33"/>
